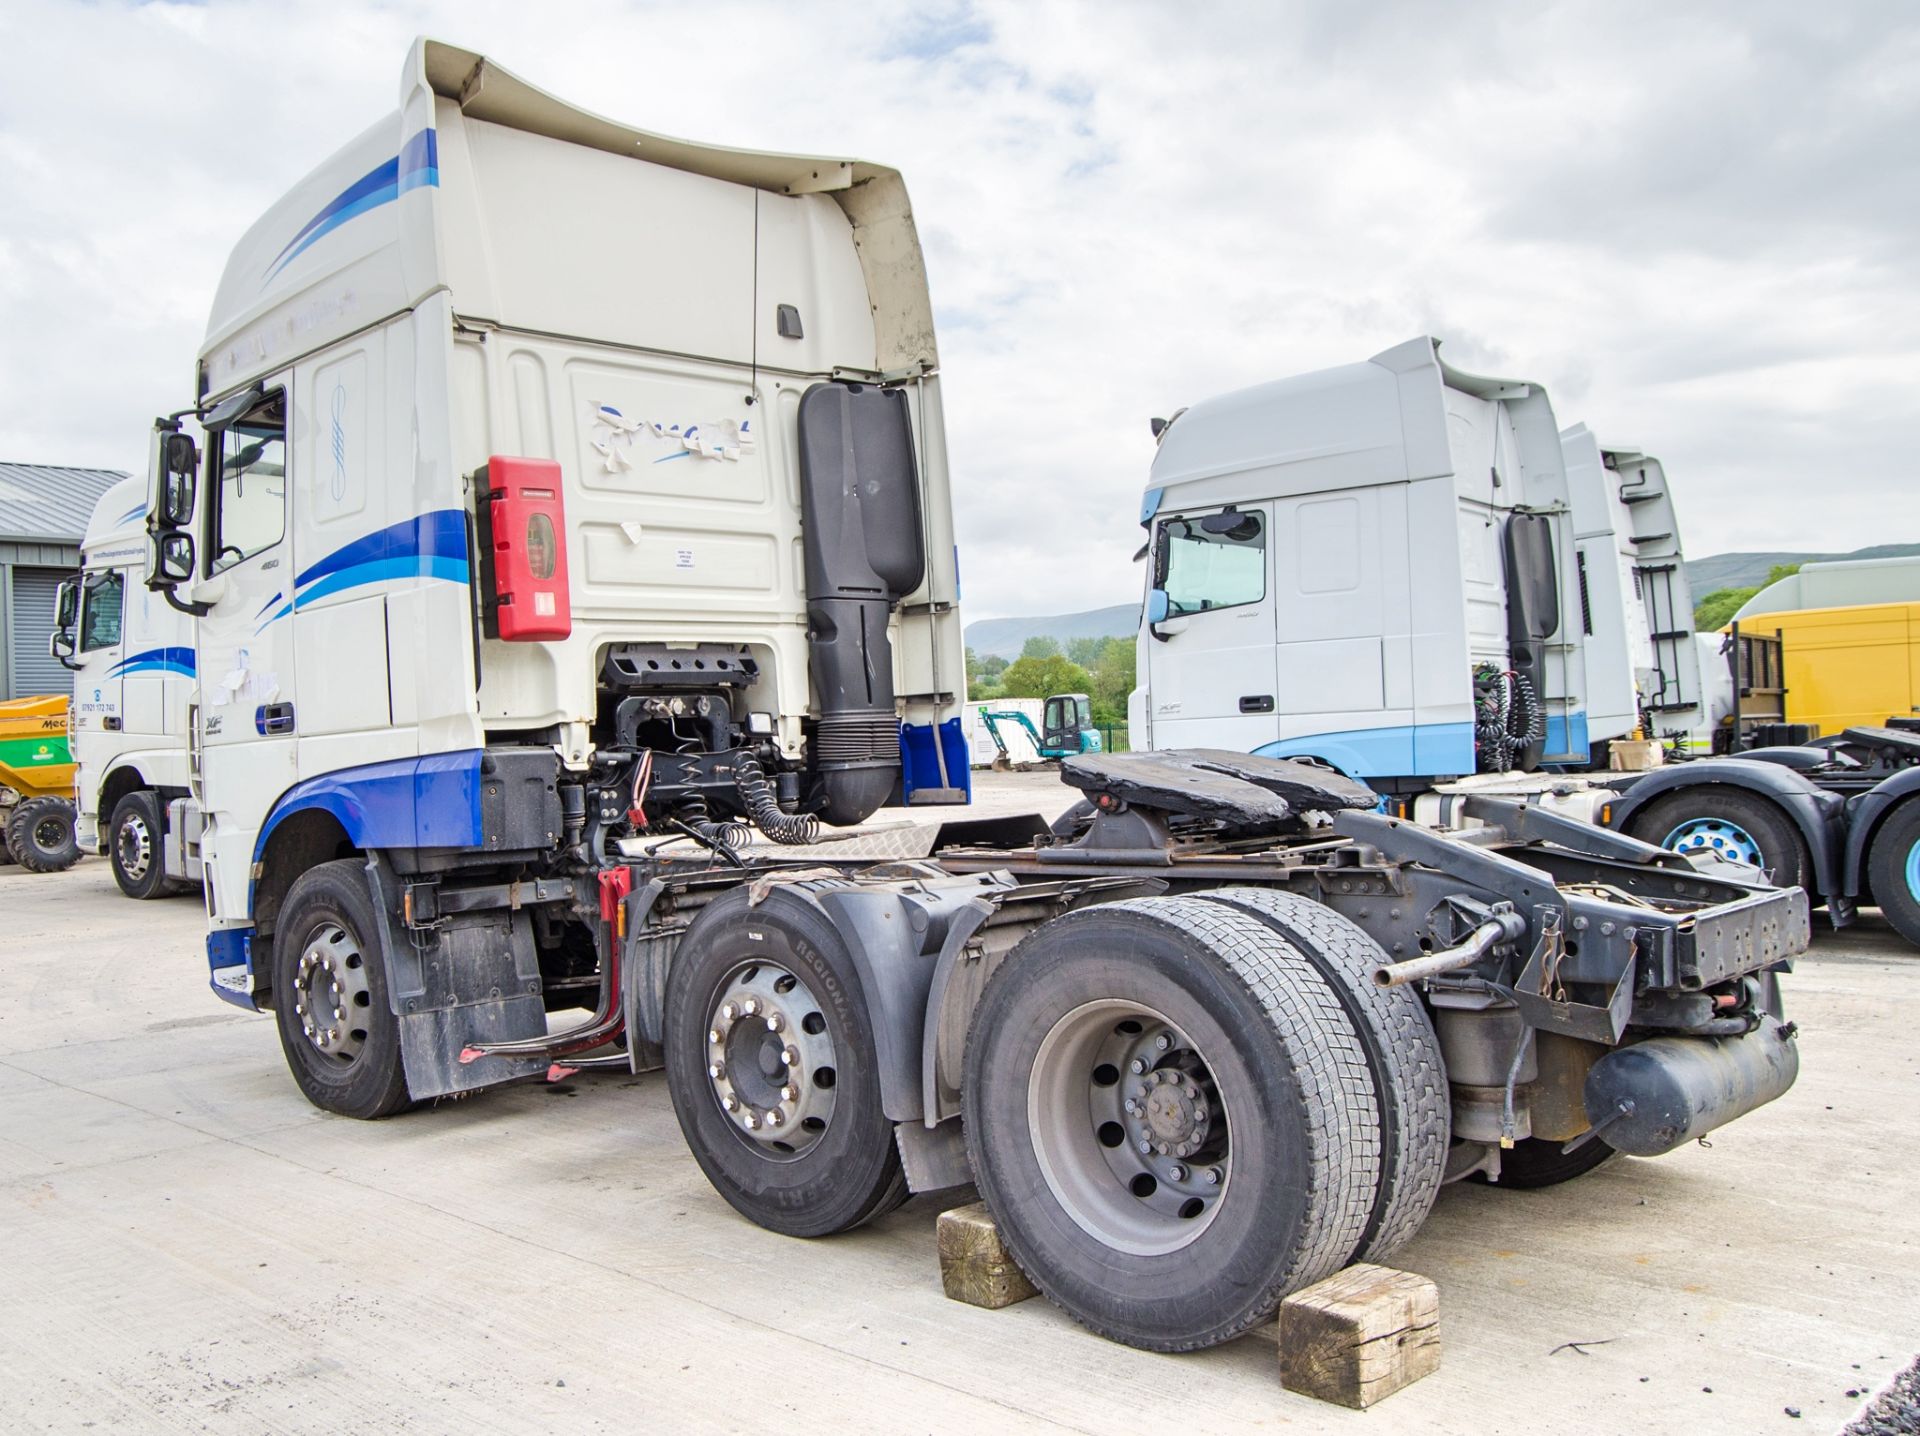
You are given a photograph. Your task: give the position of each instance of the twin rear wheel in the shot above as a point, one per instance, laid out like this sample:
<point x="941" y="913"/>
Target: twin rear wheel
<point x="1180" y="1109"/>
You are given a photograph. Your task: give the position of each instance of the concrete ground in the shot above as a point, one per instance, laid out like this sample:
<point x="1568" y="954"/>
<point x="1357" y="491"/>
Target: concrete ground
<point x="185" y="1245"/>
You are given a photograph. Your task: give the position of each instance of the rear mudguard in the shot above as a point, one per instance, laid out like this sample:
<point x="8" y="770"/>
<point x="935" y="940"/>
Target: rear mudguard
<point x="1866" y="812"/>
<point x="1819" y="815"/>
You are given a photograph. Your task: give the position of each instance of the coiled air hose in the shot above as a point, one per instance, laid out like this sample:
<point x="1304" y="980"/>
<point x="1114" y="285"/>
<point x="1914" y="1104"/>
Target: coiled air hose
<point x="793" y="829"/>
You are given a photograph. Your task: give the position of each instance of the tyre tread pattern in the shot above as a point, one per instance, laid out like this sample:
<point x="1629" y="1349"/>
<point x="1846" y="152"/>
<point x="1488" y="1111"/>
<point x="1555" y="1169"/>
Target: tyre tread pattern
<point x="1410" y="1074"/>
<point x="1331" y="1076"/>
<point x="20" y="825"/>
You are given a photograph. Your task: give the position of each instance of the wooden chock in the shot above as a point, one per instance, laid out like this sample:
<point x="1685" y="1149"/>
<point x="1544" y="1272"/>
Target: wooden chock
<point x="1360" y="1335"/>
<point x="974" y="1264"/>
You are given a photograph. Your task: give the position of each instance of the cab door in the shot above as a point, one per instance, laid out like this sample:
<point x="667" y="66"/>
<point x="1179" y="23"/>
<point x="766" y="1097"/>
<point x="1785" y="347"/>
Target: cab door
<point x="100" y="652"/>
<point x="248" y="711"/>
<point x="1211" y="663"/>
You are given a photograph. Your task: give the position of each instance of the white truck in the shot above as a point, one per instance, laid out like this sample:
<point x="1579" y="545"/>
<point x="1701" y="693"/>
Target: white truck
<point x="1409" y="574"/>
<point x="132" y="658"/>
<point x="569" y="534"/>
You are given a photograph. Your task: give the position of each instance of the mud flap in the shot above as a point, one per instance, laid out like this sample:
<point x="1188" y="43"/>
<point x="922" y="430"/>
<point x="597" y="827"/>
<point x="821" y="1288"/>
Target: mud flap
<point x="472" y="977"/>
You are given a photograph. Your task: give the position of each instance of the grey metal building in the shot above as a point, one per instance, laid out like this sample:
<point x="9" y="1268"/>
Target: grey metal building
<point x="43" y="516"/>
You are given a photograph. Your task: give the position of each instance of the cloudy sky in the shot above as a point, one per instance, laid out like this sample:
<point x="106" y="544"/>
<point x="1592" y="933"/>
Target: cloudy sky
<point x="1698" y="225"/>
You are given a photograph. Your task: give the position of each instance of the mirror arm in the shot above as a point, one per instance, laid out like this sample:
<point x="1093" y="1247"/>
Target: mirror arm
<point x="195" y="610"/>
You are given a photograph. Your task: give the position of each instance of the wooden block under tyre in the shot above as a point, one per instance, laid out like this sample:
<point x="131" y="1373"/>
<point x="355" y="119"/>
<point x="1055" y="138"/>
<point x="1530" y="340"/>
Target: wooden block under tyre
<point x="974" y="1265"/>
<point x="1360" y="1335"/>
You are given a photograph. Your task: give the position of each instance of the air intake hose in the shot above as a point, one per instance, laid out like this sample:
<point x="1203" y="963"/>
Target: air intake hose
<point x="862" y="551"/>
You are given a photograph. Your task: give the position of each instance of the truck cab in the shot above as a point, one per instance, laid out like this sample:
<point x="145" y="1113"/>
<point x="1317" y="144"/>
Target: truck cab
<point x="132" y="658"/>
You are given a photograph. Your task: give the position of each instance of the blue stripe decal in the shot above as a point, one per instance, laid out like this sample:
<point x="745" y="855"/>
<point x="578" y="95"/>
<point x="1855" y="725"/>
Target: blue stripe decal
<point x="417" y="164"/>
<point x="433" y="545"/>
<point x="131" y="514"/>
<point x="152" y="660"/>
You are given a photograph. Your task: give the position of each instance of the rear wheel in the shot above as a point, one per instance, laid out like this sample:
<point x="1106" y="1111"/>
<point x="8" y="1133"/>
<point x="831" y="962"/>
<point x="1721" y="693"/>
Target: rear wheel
<point x="1717" y="821"/>
<point x="134" y="846"/>
<point x="337" y="1029"/>
<point x="770" y="1064"/>
<point x="1893" y="869"/>
<point x="1171" y="1119"/>
<point x="1409" y="1072"/>
<point x="40" y="833"/>
<point x="1534" y="1162"/>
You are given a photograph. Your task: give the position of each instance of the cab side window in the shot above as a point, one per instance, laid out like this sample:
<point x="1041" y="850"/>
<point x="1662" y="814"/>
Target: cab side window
<point x="100" y="611"/>
<point x="1219" y="561"/>
<point x="250" y="484"/>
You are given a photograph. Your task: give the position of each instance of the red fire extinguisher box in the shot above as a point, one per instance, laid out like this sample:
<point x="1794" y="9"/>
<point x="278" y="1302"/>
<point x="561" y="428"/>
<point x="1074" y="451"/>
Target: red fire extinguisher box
<point x="523" y="545"/>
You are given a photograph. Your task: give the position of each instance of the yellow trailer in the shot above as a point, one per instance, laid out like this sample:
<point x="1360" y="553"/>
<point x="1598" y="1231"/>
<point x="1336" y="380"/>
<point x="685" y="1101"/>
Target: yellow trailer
<point x="1849" y="667"/>
<point x="36" y="784"/>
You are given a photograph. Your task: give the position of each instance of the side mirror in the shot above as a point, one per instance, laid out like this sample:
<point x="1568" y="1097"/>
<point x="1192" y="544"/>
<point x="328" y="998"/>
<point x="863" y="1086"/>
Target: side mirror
<point x="1157" y="605"/>
<point x="66" y="605"/>
<point x="180" y="462"/>
<point x="60" y="645"/>
<point x="170" y="560"/>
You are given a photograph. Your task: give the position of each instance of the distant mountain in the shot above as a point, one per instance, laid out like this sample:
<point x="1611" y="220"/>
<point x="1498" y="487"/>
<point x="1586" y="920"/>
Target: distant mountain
<point x="1007" y="636"/>
<point x="1746" y="570"/>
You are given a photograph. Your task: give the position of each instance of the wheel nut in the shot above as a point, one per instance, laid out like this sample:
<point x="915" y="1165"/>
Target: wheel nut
<point x="775" y="1117"/>
<point x="1211" y="1176"/>
<point x="1132" y="1107"/>
<point x="788" y="1093"/>
<point x="1146" y="1147"/>
<point x="717" y="1070"/>
<point x="726" y="1013"/>
<point x="1192" y="1091"/>
<point x="753" y="1122"/>
<point x="713" y="1034"/>
<point x="791" y="1056"/>
<point x="1177" y="1173"/>
<point x="775" y="1022"/>
<point x="730" y="1103"/>
<point x="749" y="1007"/>
<point x="1163" y="1042"/>
<point x="1137" y="1066"/>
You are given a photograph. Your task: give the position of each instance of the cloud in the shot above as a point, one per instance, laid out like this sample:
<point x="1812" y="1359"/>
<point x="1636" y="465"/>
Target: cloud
<point x="1695" y="226"/>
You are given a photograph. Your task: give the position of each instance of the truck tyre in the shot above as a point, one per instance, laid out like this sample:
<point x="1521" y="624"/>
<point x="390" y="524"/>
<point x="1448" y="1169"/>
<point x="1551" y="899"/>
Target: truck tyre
<point x="1715" y="819"/>
<point x="135" y="846"/>
<point x="40" y="833"/>
<point x="341" y="1039"/>
<point x="1893" y="869"/>
<point x="1171" y="1119"/>
<point x="1409" y="1073"/>
<point x="770" y="1064"/>
<point x="1535" y="1162"/>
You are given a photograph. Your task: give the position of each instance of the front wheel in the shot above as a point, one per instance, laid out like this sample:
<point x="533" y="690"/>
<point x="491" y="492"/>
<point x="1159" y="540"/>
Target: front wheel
<point x="1893" y="869"/>
<point x="1171" y="1119"/>
<point x="341" y="1039"/>
<point x="40" y="834"/>
<point x="134" y="846"/>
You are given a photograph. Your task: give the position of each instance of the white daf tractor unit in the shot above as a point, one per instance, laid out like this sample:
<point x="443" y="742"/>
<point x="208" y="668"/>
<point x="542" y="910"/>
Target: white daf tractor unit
<point x="1409" y="574"/>
<point x="564" y="517"/>
<point x="132" y="658"/>
<point x="1631" y="561"/>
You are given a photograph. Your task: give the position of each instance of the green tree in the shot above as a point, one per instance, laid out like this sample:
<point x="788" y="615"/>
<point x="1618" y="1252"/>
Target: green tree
<point x="1041" y="646"/>
<point x="1712" y="612"/>
<point x="1041" y="677"/>
<point x="1085" y="651"/>
<point x="1717" y="609"/>
<point x="1112" y="678"/>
